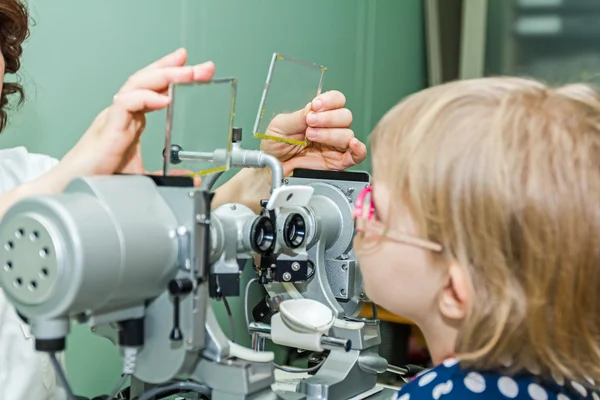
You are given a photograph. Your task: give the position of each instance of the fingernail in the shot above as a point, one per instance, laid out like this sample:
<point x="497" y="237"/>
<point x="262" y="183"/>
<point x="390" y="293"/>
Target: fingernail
<point x="317" y="104"/>
<point x="312" y="133"/>
<point x="312" y="118"/>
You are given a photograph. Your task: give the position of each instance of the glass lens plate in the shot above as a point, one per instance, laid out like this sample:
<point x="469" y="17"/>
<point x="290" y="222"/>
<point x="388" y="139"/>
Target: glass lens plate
<point x="199" y="121"/>
<point x="291" y="84"/>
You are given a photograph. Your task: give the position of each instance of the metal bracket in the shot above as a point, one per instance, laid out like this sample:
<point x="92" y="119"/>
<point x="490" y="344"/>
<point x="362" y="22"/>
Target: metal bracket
<point x="199" y="269"/>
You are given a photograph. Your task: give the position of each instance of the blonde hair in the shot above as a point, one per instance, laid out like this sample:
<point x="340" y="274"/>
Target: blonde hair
<point x="505" y="174"/>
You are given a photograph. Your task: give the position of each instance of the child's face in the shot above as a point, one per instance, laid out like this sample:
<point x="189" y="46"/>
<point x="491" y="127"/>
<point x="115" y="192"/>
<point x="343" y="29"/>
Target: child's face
<point x="400" y="277"/>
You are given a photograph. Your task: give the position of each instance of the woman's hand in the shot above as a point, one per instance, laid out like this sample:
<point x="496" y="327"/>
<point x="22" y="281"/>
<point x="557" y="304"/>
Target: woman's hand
<point x="112" y="142"/>
<point x="325" y="124"/>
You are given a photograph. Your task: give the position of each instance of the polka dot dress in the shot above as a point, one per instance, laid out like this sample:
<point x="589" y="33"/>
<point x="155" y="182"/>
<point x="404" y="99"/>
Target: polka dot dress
<point x="449" y="381"/>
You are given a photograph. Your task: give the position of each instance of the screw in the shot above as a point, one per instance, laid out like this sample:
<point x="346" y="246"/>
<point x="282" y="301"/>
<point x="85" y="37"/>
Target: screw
<point x="350" y="190"/>
<point x="200" y="218"/>
<point x="191" y="194"/>
<point x="286" y="181"/>
<point x="361" y="295"/>
<point x="189" y="341"/>
<point x="344" y="267"/>
<point x="296" y="266"/>
<point x="233" y="207"/>
<point x="287" y="276"/>
<point x="343" y="292"/>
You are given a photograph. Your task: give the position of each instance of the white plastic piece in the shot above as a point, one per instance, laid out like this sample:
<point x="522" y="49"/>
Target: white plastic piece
<point x="290" y="196"/>
<point x="247" y="354"/>
<point x="306" y="315"/>
<point x="293" y="292"/>
<point x="291" y="289"/>
<point x="350" y="325"/>
<point x="282" y="335"/>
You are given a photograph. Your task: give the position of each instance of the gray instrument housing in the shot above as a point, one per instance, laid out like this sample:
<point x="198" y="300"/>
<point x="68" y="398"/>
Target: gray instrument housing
<point x="106" y="249"/>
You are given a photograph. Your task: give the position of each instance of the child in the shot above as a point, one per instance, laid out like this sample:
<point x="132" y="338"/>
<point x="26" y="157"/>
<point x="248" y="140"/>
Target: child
<point x="483" y="227"/>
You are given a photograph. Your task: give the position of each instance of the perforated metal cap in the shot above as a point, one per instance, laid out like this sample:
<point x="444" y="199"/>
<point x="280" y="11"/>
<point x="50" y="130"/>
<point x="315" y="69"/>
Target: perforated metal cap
<point x="28" y="260"/>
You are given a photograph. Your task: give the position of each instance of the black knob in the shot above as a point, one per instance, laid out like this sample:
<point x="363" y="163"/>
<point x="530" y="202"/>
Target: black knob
<point x="176" y="335"/>
<point x="175" y="149"/>
<point x="178" y="287"/>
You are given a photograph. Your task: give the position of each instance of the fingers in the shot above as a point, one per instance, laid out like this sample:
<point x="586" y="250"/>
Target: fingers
<point x="140" y="100"/>
<point x="341" y="118"/>
<point x="358" y="152"/>
<point x="160" y="79"/>
<point x="119" y="114"/>
<point x="336" y="137"/>
<point x="175" y="59"/>
<point x="344" y="141"/>
<point x="331" y="100"/>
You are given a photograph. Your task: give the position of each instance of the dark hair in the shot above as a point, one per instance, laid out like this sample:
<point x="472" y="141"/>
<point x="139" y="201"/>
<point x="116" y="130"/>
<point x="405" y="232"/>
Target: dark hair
<point x="14" y="30"/>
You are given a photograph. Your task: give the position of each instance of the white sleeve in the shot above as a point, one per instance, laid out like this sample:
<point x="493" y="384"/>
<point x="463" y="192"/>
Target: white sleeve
<point x="18" y="166"/>
<point x="24" y="373"/>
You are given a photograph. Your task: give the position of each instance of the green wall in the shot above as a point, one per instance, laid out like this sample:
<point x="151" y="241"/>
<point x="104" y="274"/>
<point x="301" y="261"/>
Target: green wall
<point x="80" y="52"/>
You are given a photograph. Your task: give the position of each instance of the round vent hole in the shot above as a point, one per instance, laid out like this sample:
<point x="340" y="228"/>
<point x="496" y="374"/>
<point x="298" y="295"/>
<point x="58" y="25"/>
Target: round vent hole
<point x="9" y="245"/>
<point x="19" y="233"/>
<point x="44" y="252"/>
<point x="44" y="273"/>
<point x="32" y="285"/>
<point x="35" y="235"/>
<point x="18" y="282"/>
<point x="8" y="266"/>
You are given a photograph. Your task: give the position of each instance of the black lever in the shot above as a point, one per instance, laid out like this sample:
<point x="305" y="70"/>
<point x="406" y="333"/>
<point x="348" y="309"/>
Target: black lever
<point x="177" y="288"/>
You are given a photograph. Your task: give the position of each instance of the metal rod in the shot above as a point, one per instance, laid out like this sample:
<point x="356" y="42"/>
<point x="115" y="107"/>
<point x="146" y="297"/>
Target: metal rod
<point x="263" y="329"/>
<point x="240" y="158"/>
<point x="330" y="342"/>
<point x="327" y="342"/>
<point x="195" y="156"/>
<point x="397" y="370"/>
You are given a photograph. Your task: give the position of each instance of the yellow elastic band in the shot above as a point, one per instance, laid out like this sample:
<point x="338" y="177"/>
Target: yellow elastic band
<point x="280" y="139"/>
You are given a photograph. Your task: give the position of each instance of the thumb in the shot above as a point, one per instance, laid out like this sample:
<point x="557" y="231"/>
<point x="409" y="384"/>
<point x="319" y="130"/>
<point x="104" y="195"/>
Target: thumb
<point x="291" y="123"/>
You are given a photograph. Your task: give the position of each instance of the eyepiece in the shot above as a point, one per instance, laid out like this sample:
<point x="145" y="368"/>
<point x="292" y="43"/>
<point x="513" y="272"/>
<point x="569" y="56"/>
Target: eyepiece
<point x="294" y="231"/>
<point x="262" y="235"/>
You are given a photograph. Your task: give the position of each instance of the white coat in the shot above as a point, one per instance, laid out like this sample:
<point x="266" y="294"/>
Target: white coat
<point x="24" y="373"/>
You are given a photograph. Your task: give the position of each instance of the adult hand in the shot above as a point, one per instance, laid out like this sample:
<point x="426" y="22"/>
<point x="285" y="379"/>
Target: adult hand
<point x="112" y="142"/>
<point x="325" y="124"/>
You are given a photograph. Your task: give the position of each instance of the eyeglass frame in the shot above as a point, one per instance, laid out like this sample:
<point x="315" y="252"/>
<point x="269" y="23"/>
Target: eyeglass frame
<point x="379" y="228"/>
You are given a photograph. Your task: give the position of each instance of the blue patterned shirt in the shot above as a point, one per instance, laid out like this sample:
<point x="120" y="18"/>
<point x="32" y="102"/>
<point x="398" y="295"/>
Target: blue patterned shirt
<point x="449" y="381"/>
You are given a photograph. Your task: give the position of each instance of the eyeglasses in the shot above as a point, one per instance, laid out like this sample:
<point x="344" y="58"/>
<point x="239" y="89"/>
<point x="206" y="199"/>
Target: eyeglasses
<point x="364" y="210"/>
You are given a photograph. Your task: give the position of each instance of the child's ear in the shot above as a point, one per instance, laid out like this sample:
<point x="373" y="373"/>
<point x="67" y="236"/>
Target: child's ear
<point x="455" y="296"/>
